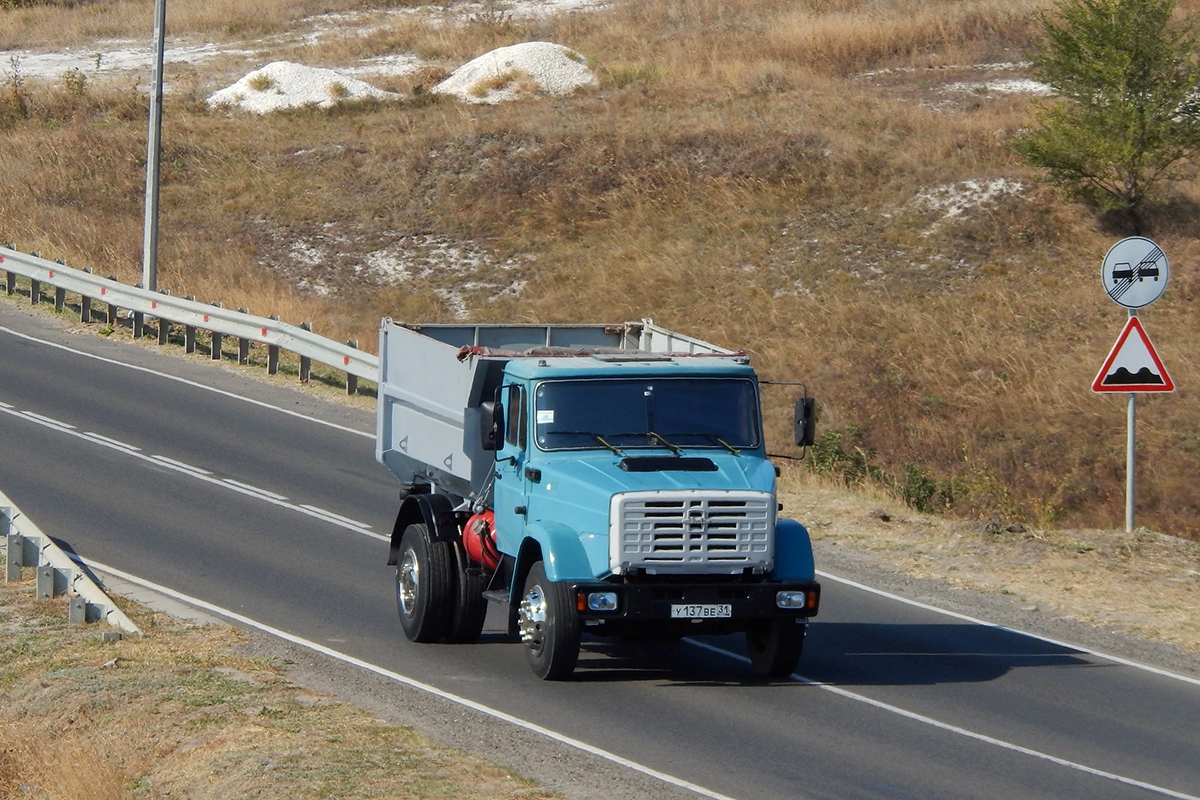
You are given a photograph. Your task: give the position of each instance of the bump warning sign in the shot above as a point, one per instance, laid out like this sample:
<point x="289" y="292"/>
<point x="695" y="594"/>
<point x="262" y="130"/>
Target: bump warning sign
<point x="1133" y="365"/>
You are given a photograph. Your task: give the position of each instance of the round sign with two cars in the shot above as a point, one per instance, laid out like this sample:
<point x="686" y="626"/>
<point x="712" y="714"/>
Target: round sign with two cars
<point x="1135" y="272"/>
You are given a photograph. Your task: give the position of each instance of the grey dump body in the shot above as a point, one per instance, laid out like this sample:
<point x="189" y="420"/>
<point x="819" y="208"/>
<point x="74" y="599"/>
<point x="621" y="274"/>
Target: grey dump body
<point x="431" y="413"/>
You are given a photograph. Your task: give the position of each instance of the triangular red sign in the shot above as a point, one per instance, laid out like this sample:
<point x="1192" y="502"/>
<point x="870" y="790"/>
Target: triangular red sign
<point x="1133" y="365"/>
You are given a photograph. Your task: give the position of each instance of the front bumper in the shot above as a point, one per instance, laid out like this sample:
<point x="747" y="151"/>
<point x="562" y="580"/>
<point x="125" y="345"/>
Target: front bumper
<point x="648" y="605"/>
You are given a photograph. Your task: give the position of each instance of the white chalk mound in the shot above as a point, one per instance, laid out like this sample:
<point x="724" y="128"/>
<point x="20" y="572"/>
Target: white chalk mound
<point x="283" y="84"/>
<point x="521" y="69"/>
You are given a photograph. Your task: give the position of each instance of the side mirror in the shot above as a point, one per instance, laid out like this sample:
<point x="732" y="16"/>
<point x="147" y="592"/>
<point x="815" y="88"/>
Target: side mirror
<point x="492" y="428"/>
<point x="806" y="421"/>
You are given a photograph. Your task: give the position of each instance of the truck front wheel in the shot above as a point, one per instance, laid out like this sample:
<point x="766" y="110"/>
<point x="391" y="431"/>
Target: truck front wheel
<point x="424" y="585"/>
<point x="549" y="625"/>
<point x="774" y="646"/>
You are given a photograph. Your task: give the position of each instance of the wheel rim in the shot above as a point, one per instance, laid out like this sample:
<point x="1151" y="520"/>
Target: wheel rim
<point x="408" y="582"/>
<point x="531" y="619"/>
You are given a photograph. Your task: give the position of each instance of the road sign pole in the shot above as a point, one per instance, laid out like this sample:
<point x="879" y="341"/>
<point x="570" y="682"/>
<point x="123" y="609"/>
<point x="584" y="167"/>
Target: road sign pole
<point x="1130" y="457"/>
<point x="1134" y="274"/>
<point x="1129" y="462"/>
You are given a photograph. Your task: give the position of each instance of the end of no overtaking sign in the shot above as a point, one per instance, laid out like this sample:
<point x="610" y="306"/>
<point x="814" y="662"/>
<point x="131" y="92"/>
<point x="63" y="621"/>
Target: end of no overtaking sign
<point x="1135" y="272"/>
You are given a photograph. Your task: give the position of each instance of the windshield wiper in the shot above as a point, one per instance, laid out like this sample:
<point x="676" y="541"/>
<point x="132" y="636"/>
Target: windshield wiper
<point x="595" y="436"/>
<point x="657" y="437"/>
<point x="712" y="437"/>
<point x="674" y="448"/>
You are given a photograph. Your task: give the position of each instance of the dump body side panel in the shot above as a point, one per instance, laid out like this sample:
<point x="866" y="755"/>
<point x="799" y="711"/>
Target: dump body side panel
<point x="422" y="423"/>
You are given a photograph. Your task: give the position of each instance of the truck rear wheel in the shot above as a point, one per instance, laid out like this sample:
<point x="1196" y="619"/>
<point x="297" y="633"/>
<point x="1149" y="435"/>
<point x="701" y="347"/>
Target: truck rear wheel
<point x="470" y="606"/>
<point x="424" y="585"/>
<point x="774" y="646"/>
<point x="549" y="625"/>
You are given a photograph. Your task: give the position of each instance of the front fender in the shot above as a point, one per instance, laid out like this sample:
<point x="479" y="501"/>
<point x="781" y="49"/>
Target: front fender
<point x="562" y="552"/>
<point x="793" y="552"/>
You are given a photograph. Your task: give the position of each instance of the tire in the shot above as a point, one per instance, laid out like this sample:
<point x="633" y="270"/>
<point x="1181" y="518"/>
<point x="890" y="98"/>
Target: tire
<point x="470" y="606"/>
<point x="424" y="585"/>
<point x="775" y="646"/>
<point x="549" y="626"/>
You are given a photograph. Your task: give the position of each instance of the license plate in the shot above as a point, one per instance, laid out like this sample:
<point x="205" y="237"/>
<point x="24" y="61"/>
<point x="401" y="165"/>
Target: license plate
<point x="701" y="611"/>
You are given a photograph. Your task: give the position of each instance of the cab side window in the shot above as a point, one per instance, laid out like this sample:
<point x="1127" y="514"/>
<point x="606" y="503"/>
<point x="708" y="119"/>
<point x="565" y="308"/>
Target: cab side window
<point x="514" y="432"/>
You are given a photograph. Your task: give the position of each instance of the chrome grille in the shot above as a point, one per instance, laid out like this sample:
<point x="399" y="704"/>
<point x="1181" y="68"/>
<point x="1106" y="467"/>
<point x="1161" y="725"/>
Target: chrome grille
<point x="692" y="532"/>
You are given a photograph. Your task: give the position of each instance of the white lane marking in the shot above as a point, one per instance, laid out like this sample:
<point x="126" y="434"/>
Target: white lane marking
<point x="179" y="465"/>
<point x="955" y="615"/>
<point x="51" y="421"/>
<point x="96" y="437"/>
<point x="207" y="477"/>
<point x="256" y="490"/>
<point x="332" y="517"/>
<point x="186" y="382"/>
<point x="955" y="729"/>
<point x="412" y="682"/>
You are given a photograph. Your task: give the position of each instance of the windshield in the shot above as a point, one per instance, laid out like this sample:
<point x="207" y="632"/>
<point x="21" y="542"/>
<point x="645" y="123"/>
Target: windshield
<point x="664" y="413"/>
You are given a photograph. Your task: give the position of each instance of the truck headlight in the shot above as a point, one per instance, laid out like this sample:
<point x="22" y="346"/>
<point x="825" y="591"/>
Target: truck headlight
<point x="602" y="601"/>
<point x="794" y="600"/>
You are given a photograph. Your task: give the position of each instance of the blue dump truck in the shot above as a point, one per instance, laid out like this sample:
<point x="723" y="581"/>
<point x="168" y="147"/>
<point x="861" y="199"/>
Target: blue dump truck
<point x="608" y="480"/>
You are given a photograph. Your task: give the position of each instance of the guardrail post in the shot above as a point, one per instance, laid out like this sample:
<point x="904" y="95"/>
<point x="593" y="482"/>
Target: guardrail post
<point x="216" y="342"/>
<point x="305" y="361"/>
<point x="243" y="344"/>
<point x="14" y="546"/>
<point x="35" y="291"/>
<point x="164" y="326"/>
<point x="189" y="331"/>
<point x="85" y="303"/>
<point x="10" y="283"/>
<point x="77" y="611"/>
<point x="112" y="309"/>
<point x="352" y="380"/>
<point x="139" y="320"/>
<point x="45" y="581"/>
<point x="273" y="354"/>
<point x="60" y="294"/>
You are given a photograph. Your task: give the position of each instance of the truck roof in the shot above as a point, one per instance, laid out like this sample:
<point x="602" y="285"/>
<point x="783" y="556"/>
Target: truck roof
<point x="630" y="364"/>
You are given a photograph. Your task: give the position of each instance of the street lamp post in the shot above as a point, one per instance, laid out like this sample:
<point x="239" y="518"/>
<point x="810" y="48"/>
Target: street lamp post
<point x="153" y="155"/>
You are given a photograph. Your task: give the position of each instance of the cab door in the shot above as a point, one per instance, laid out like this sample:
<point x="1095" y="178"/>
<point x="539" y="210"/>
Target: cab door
<point x="510" y="493"/>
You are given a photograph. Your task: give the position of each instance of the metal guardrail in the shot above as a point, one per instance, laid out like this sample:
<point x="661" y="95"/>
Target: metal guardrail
<point x="142" y="304"/>
<point x="26" y="546"/>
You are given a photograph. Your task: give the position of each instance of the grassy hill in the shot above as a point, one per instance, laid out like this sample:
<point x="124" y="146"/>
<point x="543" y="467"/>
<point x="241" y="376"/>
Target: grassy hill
<point x="827" y="184"/>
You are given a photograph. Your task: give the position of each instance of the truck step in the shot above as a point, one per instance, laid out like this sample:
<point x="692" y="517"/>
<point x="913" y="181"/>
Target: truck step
<point x="496" y="596"/>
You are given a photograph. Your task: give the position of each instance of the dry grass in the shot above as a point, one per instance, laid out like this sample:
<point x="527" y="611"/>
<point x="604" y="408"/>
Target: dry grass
<point x="180" y="713"/>
<point x="841" y="38"/>
<point x="750" y="172"/>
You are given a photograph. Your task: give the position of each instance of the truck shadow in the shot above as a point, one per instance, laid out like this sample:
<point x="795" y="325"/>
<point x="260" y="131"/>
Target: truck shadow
<point x="891" y="654"/>
<point x="836" y="653"/>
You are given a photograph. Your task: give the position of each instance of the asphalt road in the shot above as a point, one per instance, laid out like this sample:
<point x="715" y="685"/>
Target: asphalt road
<point x="276" y="510"/>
